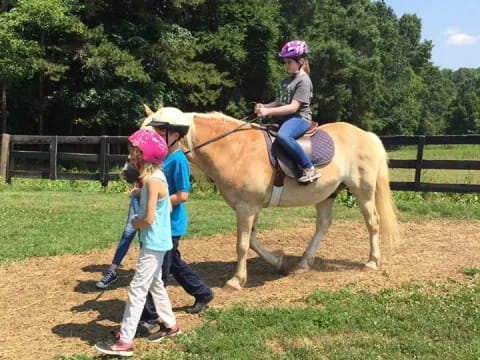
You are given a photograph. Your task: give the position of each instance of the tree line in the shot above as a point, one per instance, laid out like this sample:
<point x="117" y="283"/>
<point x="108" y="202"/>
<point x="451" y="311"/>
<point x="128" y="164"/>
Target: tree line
<point x="72" y="67"/>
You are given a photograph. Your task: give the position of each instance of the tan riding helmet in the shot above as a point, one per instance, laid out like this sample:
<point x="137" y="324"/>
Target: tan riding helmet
<point x="172" y="119"/>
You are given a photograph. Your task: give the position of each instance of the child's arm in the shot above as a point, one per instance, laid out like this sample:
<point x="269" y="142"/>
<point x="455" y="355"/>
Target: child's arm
<point x="178" y="198"/>
<point x="279" y="110"/>
<point x="156" y="189"/>
<point x="269" y="105"/>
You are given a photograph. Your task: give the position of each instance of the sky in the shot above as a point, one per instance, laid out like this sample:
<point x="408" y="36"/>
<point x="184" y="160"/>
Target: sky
<point x="452" y="25"/>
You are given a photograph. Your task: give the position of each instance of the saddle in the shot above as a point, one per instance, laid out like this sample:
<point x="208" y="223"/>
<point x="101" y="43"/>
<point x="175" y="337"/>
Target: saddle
<point x="317" y="144"/>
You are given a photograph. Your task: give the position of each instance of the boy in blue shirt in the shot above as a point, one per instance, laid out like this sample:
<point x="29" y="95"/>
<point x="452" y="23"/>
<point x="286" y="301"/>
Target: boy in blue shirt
<point x="172" y="125"/>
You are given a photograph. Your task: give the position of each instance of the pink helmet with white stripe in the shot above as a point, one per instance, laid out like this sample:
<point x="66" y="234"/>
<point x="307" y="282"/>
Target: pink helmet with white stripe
<point x="294" y="49"/>
<point x="153" y="146"/>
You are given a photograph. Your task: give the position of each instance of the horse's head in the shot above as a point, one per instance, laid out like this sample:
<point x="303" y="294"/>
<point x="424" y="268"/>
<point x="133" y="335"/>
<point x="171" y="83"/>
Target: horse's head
<point x="170" y="123"/>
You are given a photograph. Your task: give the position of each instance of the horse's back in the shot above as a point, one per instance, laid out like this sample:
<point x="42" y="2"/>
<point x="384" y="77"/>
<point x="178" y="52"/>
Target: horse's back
<point x="353" y="140"/>
<point x="359" y="154"/>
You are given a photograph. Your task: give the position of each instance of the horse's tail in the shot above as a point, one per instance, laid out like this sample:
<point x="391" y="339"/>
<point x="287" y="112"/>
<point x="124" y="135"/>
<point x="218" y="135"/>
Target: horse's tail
<point x="389" y="232"/>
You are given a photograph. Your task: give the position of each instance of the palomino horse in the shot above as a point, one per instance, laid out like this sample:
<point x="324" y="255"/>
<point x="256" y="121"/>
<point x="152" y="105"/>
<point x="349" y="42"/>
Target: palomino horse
<point x="240" y="166"/>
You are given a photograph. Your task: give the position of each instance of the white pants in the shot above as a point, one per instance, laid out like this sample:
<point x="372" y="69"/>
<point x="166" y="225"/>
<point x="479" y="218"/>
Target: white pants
<point x="148" y="277"/>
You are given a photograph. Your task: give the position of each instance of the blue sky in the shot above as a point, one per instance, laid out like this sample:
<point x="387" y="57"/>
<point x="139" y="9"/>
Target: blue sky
<point x="452" y="25"/>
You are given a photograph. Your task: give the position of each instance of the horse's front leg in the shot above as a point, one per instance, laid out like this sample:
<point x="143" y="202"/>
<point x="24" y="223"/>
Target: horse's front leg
<point x="324" y="220"/>
<point x="245" y="218"/>
<point x="269" y="257"/>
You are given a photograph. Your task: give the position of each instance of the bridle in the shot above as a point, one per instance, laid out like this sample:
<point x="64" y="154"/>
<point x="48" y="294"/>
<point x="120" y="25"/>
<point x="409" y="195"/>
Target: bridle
<point x="221" y="136"/>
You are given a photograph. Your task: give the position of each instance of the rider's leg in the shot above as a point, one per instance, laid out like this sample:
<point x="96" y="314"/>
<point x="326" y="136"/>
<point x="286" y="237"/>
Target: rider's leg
<point x="291" y="130"/>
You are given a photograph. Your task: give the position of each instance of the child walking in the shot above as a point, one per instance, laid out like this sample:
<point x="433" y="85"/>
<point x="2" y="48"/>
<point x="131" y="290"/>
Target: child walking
<point x="291" y="108"/>
<point x="172" y="125"/>
<point x="111" y="275"/>
<point x="153" y="222"/>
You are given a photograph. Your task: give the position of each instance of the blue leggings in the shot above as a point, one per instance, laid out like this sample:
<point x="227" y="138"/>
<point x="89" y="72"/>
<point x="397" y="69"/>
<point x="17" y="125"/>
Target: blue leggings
<point x="293" y="128"/>
<point x="128" y="232"/>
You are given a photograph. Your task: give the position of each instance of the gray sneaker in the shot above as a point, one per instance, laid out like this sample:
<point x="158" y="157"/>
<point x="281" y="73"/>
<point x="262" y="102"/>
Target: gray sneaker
<point x="309" y="175"/>
<point x="109" y="278"/>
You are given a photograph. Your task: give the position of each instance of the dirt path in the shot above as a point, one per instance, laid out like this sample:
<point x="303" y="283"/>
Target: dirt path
<point x="49" y="306"/>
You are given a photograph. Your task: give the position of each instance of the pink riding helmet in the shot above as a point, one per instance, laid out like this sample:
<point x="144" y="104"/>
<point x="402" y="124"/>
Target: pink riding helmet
<point x="153" y="146"/>
<point x="294" y="49"/>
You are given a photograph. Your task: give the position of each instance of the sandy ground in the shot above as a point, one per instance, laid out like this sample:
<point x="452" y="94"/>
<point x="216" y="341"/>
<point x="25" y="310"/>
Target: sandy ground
<point x="50" y="307"/>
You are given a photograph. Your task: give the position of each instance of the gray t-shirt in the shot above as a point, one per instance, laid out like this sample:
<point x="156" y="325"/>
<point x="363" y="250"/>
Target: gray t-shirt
<point x="298" y="88"/>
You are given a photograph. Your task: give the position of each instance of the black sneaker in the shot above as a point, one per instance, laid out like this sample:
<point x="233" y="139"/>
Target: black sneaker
<point x="199" y="305"/>
<point x="109" y="278"/>
<point x="164" y="332"/>
<point x="144" y="327"/>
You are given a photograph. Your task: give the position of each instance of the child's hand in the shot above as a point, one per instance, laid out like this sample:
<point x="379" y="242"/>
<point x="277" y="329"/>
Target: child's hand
<point x="135" y="222"/>
<point x="261" y="110"/>
<point x="135" y="192"/>
<point x="257" y="107"/>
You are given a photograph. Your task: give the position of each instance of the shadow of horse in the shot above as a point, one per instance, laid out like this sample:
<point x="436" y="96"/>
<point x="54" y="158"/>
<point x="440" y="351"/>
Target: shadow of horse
<point x="215" y="273"/>
<point x="322" y="264"/>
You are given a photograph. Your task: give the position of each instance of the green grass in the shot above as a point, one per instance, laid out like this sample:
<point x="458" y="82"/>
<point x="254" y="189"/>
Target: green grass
<point x="412" y="322"/>
<point x="438" y="152"/>
<point x="50" y="218"/>
<point x="53" y="218"/>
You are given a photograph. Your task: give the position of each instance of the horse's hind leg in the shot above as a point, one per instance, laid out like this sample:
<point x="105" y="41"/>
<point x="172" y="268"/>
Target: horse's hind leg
<point x="269" y="257"/>
<point x="324" y="220"/>
<point x="366" y="202"/>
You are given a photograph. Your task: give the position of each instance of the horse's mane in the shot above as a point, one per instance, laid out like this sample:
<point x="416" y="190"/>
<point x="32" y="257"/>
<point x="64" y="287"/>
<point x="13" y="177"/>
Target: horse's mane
<point x="218" y="115"/>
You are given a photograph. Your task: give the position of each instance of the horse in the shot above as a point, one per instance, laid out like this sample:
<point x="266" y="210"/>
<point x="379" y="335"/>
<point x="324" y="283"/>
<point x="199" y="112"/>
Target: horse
<point x="234" y="155"/>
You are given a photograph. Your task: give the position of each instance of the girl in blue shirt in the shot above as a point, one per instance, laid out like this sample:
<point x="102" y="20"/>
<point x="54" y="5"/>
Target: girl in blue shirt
<point x="153" y="222"/>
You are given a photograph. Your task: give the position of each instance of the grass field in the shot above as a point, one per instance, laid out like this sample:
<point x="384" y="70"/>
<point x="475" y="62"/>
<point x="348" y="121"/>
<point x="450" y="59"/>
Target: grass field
<point x="412" y="322"/>
<point x="77" y="217"/>
<point x="44" y="218"/>
<point x="438" y="152"/>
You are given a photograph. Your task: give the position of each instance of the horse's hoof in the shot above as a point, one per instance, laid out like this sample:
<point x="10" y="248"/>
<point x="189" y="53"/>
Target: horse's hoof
<point x="233" y="285"/>
<point x="370" y="266"/>
<point x="299" y="269"/>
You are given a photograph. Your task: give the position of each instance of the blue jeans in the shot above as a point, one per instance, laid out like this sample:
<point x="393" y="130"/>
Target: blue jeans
<point x="128" y="232"/>
<point x="186" y="277"/>
<point x="293" y="128"/>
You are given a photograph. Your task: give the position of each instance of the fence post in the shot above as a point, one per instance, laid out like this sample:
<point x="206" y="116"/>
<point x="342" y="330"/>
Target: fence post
<point x="53" y="158"/>
<point x="103" y="160"/>
<point x="418" y="165"/>
<point x="5" y="154"/>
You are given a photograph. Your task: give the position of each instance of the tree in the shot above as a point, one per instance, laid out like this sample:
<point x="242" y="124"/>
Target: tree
<point x="17" y="58"/>
<point x="464" y="112"/>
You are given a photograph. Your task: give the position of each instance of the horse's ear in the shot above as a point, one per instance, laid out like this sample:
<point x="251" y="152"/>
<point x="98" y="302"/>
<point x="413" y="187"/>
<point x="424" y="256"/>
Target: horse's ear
<point x="148" y="111"/>
<point x="160" y="107"/>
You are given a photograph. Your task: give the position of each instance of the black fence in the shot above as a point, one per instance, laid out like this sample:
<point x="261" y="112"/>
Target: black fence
<point x="96" y="157"/>
<point x="17" y="160"/>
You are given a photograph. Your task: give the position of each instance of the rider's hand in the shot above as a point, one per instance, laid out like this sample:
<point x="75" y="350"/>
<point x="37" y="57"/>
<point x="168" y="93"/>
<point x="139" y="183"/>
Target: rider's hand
<point x="261" y="110"/>
<point x="257" y="106"/>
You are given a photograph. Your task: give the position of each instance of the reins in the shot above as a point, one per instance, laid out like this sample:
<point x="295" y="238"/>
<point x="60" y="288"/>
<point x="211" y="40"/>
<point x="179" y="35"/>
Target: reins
<point x="221" y="136"/>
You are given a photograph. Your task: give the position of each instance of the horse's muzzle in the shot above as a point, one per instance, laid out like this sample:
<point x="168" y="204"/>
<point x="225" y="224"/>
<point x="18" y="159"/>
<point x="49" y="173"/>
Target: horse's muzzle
<point x="129" y="173"/>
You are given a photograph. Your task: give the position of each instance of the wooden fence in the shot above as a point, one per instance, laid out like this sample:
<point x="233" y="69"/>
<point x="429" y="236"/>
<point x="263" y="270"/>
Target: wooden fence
<point x="100" y="158"/>
<point x="103" y="160"/>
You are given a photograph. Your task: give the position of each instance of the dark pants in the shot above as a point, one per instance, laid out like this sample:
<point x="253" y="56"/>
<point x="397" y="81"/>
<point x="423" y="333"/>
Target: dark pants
<point x="183" y="274"/>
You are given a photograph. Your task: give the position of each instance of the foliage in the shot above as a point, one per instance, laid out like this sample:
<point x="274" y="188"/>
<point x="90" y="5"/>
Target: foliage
<point x="87" y="67"/>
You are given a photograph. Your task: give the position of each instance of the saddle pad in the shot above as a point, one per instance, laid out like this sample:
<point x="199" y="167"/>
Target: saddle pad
<point x="319" y="147"/>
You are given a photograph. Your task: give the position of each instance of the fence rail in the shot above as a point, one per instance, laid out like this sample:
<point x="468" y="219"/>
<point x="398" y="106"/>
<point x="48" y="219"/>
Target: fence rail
<point x="104" y="160"/>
